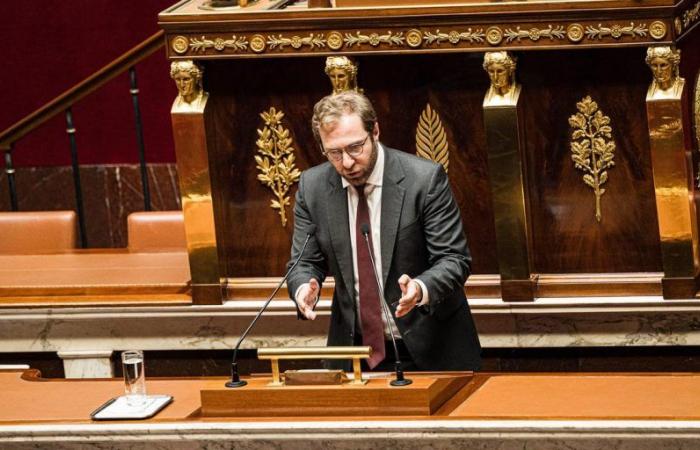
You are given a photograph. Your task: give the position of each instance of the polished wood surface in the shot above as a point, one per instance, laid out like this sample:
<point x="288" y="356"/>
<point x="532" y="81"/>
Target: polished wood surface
<point x="85" y="277"/>
<point x="575" y="49"/>
<point x="566" y="236"/>
<point x="594" y="396"/>
<point x="29" y="399"/>
<point x="423" y="397"/>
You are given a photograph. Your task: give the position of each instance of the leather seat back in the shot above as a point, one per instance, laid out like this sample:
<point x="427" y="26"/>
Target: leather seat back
<point x="156" y="230"/>
<point x="37" y="232"/>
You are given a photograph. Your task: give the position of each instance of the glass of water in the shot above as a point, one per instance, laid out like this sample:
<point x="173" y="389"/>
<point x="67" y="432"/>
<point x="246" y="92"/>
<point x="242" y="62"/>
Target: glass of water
<point x="134" y="377"/>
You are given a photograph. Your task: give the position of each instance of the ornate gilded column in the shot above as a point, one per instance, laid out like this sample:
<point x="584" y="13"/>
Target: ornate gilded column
<point x="673" y="180"/>
<point x="191" y="153"/>
<point x="507" y="177"/>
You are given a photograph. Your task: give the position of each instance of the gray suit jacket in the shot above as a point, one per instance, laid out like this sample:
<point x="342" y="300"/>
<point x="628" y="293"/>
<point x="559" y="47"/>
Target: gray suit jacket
<point x="421" y="235"/>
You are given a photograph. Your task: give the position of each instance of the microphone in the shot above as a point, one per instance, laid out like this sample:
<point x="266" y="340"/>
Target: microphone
<point x="400" y="380"/>
<point x="235" y="377"/>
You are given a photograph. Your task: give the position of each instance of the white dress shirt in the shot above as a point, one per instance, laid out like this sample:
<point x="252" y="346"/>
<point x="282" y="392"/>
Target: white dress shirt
<point x="373" y="193"/>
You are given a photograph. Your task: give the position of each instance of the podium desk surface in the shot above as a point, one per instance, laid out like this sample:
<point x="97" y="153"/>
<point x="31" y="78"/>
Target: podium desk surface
<point x="29" y="399"/>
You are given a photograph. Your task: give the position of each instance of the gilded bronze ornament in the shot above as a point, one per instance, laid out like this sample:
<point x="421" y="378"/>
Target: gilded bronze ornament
<point x="180" y="44"/>
<point x="500" y="67"/>
<point x="616" y="31"/>
<point x="414" y="38"/>
<point x="342" y="71"/>
<point x="574" y="32"/>
<point x="454" y="37"/>
<point x="296" y="42"/>
<point x="257" y="43"/>
<point x="431" y="139"/>
<point x="187" y="75"/>
<point x="534" y="34"/>
<point x="494" y="35"/>
<point x="276" y="165"/>
<point x="678" y="25"/>
<point x="335" y="40"/>
<point x="664" y="63"/>
<point x="657" y="29"/>
<point x="691" y="15"/>
<point x="592" y="147"/>
<point x="374" y="39"/>
<point x="236" y="43"/>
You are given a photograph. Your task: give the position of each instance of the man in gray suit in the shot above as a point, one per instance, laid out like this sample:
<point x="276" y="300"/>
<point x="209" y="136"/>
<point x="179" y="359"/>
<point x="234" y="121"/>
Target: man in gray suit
<point x="372" y="200"/>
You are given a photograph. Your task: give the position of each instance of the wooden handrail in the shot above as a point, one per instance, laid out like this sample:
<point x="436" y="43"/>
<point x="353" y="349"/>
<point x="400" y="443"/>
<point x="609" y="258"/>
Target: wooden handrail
<point x="90" y="84"/>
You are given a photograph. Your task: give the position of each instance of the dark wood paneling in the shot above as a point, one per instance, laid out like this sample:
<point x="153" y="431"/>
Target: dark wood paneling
<point x="566" y="236"/>
<point x="251" y="238"/>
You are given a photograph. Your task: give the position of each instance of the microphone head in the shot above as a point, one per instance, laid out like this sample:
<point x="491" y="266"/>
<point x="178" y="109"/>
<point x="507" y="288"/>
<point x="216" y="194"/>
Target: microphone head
<point x="364" y="228"/>
<point x="311" y="229"/>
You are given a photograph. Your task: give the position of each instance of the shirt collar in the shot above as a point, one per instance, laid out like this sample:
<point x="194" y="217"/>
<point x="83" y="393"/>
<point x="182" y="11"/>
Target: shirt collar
<point x="375" y="178"/>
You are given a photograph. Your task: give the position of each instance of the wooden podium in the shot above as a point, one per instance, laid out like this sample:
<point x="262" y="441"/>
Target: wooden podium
<point x="423" y="397"/>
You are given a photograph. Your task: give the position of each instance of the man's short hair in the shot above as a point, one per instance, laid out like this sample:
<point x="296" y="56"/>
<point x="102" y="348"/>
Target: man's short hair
<point x="329" y="109"/>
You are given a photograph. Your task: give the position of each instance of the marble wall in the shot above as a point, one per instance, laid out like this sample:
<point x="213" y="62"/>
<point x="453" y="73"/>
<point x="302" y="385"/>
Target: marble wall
<point x="110" y="194"/>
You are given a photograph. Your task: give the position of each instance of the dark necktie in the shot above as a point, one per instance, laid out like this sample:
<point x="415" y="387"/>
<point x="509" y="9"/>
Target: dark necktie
<point x="370" y="308"/>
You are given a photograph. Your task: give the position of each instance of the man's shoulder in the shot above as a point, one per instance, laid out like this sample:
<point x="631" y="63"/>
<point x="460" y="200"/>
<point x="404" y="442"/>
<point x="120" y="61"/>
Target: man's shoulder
<point x="412" y="164"/>
<point x="318" y="174"/>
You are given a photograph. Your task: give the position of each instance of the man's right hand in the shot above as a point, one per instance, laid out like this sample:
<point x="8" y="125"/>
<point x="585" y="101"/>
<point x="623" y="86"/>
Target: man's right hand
<point x="306" y="298"/>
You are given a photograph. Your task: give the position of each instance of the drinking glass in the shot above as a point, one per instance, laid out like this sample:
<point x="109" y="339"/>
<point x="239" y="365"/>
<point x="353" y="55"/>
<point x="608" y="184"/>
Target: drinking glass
<point x="134" y="377"/>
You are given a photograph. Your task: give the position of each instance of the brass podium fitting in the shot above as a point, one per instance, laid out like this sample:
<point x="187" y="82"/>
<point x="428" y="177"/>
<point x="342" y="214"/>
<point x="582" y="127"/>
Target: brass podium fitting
<point x="189" y="133"/>
<point x="274" y="354"/>
<point x="672" y="171"/>
<point x="507" y="178"/>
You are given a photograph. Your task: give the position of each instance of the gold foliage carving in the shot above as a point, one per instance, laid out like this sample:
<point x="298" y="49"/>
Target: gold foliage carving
<point x="431" y="140"/>
<point x="592" y="147"/>
<point x="617" y="31"/>
<point x="276" y="161"/>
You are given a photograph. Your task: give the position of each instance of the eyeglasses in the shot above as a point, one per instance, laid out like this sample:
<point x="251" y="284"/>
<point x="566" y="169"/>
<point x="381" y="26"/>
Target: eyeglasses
<point x="353" y="150"/>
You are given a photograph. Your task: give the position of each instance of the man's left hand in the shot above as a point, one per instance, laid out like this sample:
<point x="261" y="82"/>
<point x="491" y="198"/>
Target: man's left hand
<point x="411" y="295"/>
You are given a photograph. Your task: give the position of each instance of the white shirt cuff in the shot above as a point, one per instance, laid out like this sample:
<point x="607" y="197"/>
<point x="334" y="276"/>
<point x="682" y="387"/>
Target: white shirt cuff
<point x="426" y="298"/>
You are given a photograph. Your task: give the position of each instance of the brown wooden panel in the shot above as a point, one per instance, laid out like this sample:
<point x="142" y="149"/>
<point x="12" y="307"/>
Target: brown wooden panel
<point x="251" y="239"/>
<point x="566" y="236"/>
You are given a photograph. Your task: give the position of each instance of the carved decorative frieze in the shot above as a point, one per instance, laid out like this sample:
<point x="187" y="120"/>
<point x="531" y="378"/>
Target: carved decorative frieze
<point x="534" y="34"/>
<point x="592" y="147"/>
<point x="453" y="37"/>
<point x="236" y="43"/>
<point x="691" y="16"/>
<point x="275" y="161"/>
<point x="616" y="31"/>
<point x="431" y="139"/>
<point x="404" y="40"/>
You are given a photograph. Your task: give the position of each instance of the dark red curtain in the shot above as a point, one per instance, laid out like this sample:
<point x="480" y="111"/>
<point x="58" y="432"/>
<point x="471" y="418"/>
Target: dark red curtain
<point x="50" y="45"/>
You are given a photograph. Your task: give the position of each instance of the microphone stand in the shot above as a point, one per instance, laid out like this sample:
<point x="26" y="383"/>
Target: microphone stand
<point x="236" y="381"/>
<point x="400" y="380"/>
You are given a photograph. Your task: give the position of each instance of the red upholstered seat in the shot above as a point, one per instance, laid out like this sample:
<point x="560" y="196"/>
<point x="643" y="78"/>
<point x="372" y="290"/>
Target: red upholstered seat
<point x="37" y="232"/>
<point x="156" y="230"/>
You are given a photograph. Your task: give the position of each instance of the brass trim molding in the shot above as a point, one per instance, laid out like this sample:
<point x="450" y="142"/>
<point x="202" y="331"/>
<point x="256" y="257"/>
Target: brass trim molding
<point x="592" y="147"/>
<point x="431" y="139"/>
<point x="276" y="165"/>
<point x="406" y="39"/>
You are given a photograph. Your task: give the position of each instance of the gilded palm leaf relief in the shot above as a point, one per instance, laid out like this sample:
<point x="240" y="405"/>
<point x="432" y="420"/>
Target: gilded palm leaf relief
<point x="592" y="147"/>
<point x="431" y="140"/>
<point x="276" y="161"/>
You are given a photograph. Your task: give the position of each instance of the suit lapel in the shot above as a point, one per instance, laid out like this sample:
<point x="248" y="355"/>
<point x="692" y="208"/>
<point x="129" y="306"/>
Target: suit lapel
<point x="338" y="222"/>
<point x="392" y="203"/>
